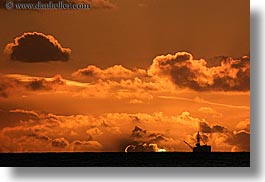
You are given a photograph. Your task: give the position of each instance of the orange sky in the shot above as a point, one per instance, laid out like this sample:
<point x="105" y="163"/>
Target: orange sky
<point x="82" y="81"/>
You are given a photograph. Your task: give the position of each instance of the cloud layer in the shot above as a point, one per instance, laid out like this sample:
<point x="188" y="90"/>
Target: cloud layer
<point x="162" y="86"/>
<point x="36" y="47"/>
<point x="37" y="131"/>
<point x="182" y="71"/>
<point x="109" y="132"/>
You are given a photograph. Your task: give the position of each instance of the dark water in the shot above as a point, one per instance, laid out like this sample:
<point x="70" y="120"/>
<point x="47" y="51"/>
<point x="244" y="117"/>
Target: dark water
<point x="215" y="159"/>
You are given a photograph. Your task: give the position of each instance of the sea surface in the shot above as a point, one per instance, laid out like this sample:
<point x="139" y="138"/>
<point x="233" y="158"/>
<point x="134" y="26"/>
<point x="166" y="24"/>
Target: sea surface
<point x="116" y="159"/>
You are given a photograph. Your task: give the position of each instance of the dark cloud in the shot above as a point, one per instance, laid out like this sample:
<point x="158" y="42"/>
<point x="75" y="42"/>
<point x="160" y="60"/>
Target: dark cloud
<point x="13" y="117"/>
<point x="218" y="129"/>
<point x="38" y="85"/>
<point x="14" y="85"/>
<point x="204" y="138"/>
<point x="240" y="141"/>
<point x="216" y="60"/>
<point x="39" y="137"/>
<point x="60" y="143"/>
<point x="138" y="132"/>
<point x="34" y="47"/>
<point x="206" y="128"/>
<point x="187" y="72"/>
<point x="43" y="84"/>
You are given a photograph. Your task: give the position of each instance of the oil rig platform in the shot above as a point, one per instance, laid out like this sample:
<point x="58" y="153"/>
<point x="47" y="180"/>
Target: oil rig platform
<point x="198" y="147"/>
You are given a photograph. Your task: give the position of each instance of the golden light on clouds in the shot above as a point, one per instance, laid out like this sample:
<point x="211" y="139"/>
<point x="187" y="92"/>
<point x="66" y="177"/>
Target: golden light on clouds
<point x="132" y="79"/>
<point x="164" y="128"/>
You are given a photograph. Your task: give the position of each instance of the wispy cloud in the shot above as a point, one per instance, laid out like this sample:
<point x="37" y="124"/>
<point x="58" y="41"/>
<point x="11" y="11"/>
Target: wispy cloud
<point x="200" y="100"/>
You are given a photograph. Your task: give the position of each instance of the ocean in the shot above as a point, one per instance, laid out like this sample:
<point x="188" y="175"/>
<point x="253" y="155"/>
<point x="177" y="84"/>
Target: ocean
<point x="116" y="159"/>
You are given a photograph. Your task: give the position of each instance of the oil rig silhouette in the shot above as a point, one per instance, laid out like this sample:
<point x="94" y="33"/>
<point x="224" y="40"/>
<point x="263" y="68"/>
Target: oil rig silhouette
<point x="198" y="147"/>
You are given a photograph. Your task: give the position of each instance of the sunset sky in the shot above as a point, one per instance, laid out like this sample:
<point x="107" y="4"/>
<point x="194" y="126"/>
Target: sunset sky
<point x="134" y="72"/>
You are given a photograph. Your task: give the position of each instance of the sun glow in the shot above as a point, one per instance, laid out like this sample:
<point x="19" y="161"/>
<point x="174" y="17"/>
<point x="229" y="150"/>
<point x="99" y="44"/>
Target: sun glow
<point x="162" y="150"/>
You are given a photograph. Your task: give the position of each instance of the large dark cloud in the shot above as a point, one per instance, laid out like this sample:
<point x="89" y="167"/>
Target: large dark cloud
<point x="34" y="47"/>
<point x="186" y="72"/>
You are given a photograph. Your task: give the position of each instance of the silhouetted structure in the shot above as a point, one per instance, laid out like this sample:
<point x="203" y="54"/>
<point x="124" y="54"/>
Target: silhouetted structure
<point x="199" y="147"/>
